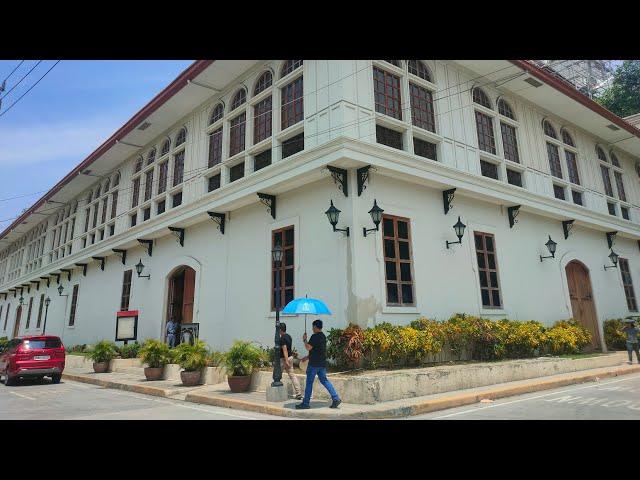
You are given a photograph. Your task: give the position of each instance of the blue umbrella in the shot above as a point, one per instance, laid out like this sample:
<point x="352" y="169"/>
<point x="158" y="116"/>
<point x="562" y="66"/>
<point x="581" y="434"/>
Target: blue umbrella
<point x="306" y="306"/>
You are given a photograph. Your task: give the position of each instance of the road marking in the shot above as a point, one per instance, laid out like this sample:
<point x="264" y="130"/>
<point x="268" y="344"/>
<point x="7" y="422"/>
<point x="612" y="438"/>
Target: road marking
<point x="23" y="396"/>
<point x="533" y="398"/>
<point x="216" y="412"/>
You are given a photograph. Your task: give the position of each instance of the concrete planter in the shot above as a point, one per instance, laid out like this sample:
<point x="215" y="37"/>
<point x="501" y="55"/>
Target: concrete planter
<point x="124" y="364"/>
<point x="214" y="375"/>
<point x="171" y="372"/>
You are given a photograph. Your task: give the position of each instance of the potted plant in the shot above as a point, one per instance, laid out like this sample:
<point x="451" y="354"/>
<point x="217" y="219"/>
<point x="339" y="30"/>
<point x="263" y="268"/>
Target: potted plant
<point x="155" y="354"/>
<point x="192" y="358"/>
<point x="101" y="354"/>
<point x="240" y="361"/>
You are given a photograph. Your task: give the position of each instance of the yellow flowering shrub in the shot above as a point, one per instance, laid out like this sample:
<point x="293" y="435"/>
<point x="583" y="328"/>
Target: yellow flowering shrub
<point x="566" y="337"/>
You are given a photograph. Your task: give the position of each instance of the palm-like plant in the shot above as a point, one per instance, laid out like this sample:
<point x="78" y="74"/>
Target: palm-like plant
<point x="191" y="357"/>
<point x="155" y="353"/>
<point x="103" y="351"/>
<point x="242" y="358"/>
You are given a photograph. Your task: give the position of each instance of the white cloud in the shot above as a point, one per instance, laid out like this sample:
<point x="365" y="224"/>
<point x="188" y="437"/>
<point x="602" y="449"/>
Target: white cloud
<point x="70" y="141"/>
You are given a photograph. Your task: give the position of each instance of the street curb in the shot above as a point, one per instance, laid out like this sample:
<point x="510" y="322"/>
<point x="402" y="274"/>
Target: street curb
<point x="144" y="389"/>
<point x="443" y="403"/>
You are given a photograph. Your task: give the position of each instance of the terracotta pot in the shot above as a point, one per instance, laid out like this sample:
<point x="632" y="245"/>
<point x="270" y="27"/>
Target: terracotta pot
<point x="100" y="367"/>
<point x="190" y="379"/>
<point x="239" y="384"/>
<point x="153" y="373"/>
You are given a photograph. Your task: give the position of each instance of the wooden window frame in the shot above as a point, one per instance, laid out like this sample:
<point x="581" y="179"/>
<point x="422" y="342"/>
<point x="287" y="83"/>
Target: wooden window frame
<point x="163" y="174"/>
<point x="509" y="142"/>
<point x="178" y="173"/>
<point x="485" y="132"/>
<point x="422" y="110"/>
<point x="553" y="155"/>
<point x="282" y="269"/>
<point x="125" y="296"/>
<point x="629" y="291"/>
<point x="148" y="185"/>
<point x="398" y="261"/>
<point x="487" y="271"/>
<point x="387" y="93"/>
<point x="292" y="103"/>
<point x="215" y="147"/>
<point x="74" y="305"/>
<point x="135" y="195"/>
<point x="237" y="134"/>
<point x="262" y="119"/>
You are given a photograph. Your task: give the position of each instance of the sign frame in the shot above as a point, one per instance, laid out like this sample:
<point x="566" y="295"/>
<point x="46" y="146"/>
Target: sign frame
<point x="127" y="314"/>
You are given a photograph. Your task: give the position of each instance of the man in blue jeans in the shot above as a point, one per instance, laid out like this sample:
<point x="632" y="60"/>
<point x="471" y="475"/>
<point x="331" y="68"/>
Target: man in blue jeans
<point x="317" y="348"/>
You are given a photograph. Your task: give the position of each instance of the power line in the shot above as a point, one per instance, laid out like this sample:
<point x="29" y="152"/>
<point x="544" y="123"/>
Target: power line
<point x="4" y="82"/>
<point x="29" y="89"/>
<point x="23" y="77"/>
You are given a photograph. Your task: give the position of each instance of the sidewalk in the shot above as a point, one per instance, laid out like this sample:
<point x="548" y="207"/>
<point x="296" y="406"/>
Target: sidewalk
<point x="219" y="395"/>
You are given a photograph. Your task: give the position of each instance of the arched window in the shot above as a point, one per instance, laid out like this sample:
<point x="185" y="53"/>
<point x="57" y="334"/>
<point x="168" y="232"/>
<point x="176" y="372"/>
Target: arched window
<point x="216" y="113"/>
<point x="116" y="179"/>
<point x="263" y="82"/>
<point x="567" y="139"/>
<point x="97" y="193"/>
<point x="151" y="157"/>
<point x="166" y="145"/>
<point x="614" y="159"/>
<point x="481" y="98"/>
<point x="89" y="196"/>
<point x="395" y="63"/>
<point x="418" y="68"/>
<point x="505" y="109"/>
<point x="289" y="66"/>
<point x="138" y="165"/>
<point x="601" y="154"/>
<point x="107" y="185"/>
<point x="181" y="137"/>
<point x="549" y="130"/>
<point x="238" y="99"/>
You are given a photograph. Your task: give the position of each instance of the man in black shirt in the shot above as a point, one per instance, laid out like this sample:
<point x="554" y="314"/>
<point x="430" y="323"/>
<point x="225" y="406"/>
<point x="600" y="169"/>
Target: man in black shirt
<point x="317" y="348"/>
<point x="286" y="358"/>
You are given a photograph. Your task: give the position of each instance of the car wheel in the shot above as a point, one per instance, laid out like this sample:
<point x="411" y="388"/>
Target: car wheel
<point x="56" y="378"/>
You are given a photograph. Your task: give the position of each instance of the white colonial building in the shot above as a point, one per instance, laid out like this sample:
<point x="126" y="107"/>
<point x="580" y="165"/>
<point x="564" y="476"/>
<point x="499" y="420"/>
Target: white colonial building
<point x="235" y="157"/>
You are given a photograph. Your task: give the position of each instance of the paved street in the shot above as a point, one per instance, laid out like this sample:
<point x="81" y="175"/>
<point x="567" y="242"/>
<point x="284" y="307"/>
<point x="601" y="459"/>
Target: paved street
<point x="616" y="399"/>
<point x="70" y="400"/>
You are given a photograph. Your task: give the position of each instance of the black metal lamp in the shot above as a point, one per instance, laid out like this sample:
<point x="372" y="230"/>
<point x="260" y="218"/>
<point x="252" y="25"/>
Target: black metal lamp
<point x="276" y="256"/>
<point x="376" y="217"/>
<point x="46" y="313"/>
<point x="140" y="268"/>
<point x="333" y="214"/>
<point x="459" y="229"/>
<point x="613" y="256"/>
<point x="21" y="300"/>
<point x="551" y="246"/>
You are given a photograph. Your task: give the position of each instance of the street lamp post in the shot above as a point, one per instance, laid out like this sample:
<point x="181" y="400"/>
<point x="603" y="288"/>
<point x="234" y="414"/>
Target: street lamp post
<point x="46" y="311"/>
<point x="276" y="256"/>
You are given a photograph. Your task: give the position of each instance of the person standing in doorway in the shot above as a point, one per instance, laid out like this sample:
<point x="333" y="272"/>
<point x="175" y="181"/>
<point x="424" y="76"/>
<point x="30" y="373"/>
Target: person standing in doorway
<point x="286" y="359"/>
<point x="317" y="348"/>
<point x="631" y="332"/>
<point x="172" y="332"/>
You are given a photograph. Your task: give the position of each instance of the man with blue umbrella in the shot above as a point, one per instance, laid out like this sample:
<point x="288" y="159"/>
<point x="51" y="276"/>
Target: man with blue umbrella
<point x="317" y="348"/>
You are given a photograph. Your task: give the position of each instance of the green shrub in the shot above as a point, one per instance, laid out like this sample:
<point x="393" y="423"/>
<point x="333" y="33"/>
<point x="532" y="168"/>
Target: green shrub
<point x="103" y="351"/>
<point x="566" y="337"/>
<point x="130" y="350"/>
<point x="155" y="353"/>
<point x="614" y="339"/>
<point x="191" y="357"/>
<point x="3" y="342"/>
<point x="242" y="358"/>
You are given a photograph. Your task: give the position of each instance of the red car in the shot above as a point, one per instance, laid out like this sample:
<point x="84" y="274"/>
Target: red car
<point x="34" y="356"/>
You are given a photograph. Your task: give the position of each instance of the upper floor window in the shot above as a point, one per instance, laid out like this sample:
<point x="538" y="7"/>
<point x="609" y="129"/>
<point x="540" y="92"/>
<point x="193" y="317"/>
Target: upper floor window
<point x="166" y="146"/>
<point x="505" y="109"/>
<point x="395" y="63"/>
<point x="422" y="107"/>
<point x="116" y="179"/>
<point x="601" y="155"/>
<point x="151" y="156"/>
<point x="386" y="87"/>
<point x="606" y="168"/>
<point x="238" y="99"/>
<point x="508" y="131"/>
<point x="567" y="139"/>
<point x="138" y="165"/>
<point x="216" y="113"/>
<point x="484" y="127"/>
<point x="289" y="66"/>
<point x="181" y="137"/>
<point x="292" y="109"/>
<point x="264" y="82"/>
<point x="614" y="159"/>
<point x="107" y="185"/>
<point x="418" y="68"/>
<point x="481" y="98"/>
<point x="549" y="130"/>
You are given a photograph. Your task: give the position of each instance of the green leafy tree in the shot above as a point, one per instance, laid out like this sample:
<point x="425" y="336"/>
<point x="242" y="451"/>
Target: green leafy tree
<point x="623" y="96"/>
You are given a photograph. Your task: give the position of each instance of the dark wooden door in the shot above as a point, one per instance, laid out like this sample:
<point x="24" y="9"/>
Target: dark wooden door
<point x="582" y="304"/>
<point x="16" y="326"/>
<point x="188" y="294"/>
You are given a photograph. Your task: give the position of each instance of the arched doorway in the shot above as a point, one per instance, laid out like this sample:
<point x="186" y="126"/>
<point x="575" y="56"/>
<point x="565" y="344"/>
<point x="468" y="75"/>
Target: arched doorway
<point x="182" y="285"/>
<point x="16" y="325"/>
<point x="582" y="303"/>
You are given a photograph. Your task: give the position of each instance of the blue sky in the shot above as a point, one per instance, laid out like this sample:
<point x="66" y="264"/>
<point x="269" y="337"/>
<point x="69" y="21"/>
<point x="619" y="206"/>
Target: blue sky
<point x="75" y="108"/>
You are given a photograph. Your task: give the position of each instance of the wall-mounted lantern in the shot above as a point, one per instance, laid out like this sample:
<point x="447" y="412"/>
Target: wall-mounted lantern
<point x="140" y="268"/>
<point x="333" y="214"/>
<point x="613" y="256"/>
<point x="376" y="217"/>
<point x="551" y="246"/>
<point x="60" y="290"/>
<point x="459" y="229"/>
<point x="21" y="300"/>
